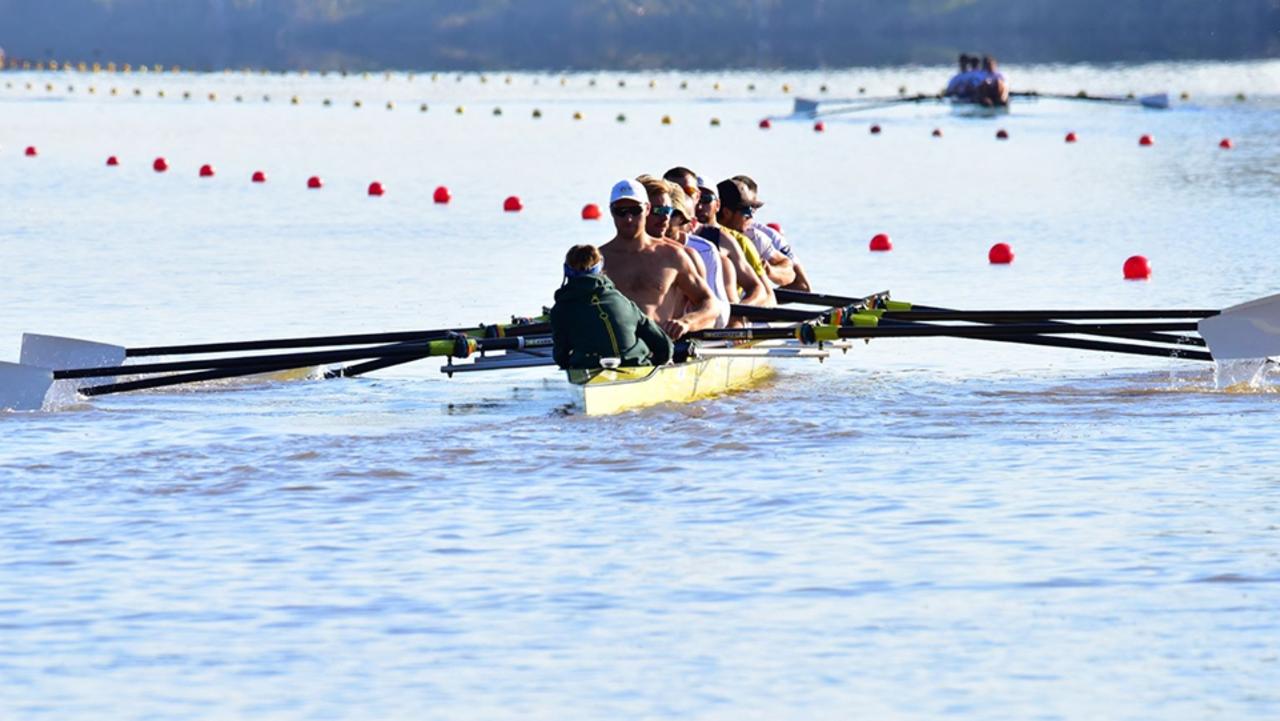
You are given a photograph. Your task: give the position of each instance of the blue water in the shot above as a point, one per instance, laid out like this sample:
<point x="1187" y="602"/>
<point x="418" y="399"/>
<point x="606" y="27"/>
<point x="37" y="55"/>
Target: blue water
<point x="916" y="529"/>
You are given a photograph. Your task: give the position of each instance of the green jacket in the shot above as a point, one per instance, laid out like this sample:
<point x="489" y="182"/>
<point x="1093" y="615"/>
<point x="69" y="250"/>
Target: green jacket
<point x="593" y="320"/>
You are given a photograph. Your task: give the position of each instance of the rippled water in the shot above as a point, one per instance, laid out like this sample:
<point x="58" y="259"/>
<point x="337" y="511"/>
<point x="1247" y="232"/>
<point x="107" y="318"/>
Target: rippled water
<point x="917" y="529"/>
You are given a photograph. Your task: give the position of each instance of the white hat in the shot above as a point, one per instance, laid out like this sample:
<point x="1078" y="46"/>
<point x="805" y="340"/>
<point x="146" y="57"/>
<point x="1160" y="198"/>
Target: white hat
<point x="628" y="190"/>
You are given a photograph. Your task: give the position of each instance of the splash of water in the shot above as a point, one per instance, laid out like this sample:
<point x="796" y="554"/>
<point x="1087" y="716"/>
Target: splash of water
<point x="1245" y="375"/>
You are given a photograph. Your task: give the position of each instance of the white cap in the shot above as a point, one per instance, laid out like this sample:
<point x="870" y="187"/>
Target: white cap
<point x="628" y="190"/>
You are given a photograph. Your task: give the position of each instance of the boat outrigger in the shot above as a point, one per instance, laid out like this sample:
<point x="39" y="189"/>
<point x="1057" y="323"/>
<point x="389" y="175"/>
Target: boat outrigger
<point x="710" y="363"/>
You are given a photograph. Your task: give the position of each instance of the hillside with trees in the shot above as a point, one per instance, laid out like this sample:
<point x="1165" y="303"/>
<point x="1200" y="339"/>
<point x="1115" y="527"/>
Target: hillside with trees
<point x="630" y="34"/>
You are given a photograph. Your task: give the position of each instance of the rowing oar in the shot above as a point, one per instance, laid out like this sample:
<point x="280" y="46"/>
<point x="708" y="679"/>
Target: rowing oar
<point x="1159" y="101"/>
<point x="24" y="386"/>
<point x="497" y="331"/>
<point x="459" y="346"/>
<point x="1249" y="330"/>
<point x="870" y="318"/>
<point x="1044" y="334"/>
<point x="809" y="107"/>
<point x="900" y="310"/>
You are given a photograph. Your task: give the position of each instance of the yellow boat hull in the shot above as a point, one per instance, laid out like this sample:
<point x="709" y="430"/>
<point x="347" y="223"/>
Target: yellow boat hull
<point x="605" y="392"/>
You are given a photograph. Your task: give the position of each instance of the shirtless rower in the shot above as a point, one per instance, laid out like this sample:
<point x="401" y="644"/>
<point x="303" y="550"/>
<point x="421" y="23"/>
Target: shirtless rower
<point x="655" y="274"/>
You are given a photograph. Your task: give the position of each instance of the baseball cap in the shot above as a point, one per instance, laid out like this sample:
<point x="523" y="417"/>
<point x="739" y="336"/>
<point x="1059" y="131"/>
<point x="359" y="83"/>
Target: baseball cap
<point x="628" y="190"/>
<point x="736" y="194"/>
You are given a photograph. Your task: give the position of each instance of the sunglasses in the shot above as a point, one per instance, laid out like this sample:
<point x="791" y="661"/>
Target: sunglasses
<point x="747" y="212"/>
<point x="627" y="211"/>
<point x="663" y="210"/>
<point x="707" y="198"/>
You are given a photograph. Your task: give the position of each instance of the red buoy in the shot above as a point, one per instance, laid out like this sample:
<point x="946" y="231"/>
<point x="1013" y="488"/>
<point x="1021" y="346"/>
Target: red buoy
<point x="1002" y="134"/>
<point x="1146" y="140"/>
<point x="206" y="171"/>
<point x="775" y="226"/>
<point x="591" y="211"/>
<point x="875" y="129"/>
<point x="442" y="195"/>
<point x="259" y="176"/>
<point x="376" y="189"/>
<point x="1071" y="137"/>
<point x="819" y="127"/>
<point x="1137" y="267"/>
<point x="160" y="165"/>
<point x="113" y="161"/>
<point x="766" y="124"/>
<point x="314" y="182"/>
<point x="31" y="151"/>
<point x="1000" y="254"/>
<point x="1226" y="144"/>
<point x="512" y="204"/>
<point x="881" y="243"/>
<point x="937" y="132"/>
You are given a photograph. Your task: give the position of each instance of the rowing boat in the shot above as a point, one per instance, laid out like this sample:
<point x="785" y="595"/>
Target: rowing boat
<point x="713" y="363"/>
<point x="713" y="369"/>
<point x="970" y="109"/>
<point x="606" y="391"/>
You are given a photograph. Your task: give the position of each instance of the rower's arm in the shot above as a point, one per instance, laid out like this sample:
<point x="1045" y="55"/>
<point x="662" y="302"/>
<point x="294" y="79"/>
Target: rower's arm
<point x="702" y="312"/>
<point x="754" y="290"/>
<point x="802" y="279"/>
<point x="780" y="269"/>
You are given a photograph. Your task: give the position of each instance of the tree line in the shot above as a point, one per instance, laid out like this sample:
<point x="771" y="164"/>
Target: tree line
<point x="630" y="34"/>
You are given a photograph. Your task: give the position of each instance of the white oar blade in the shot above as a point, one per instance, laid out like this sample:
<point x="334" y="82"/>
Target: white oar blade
<point x="804" y="106"/>
<point x="1248" y="330"/>
<point x="23" y="387"/>
<point x="51" y="351"/>
<point x="1157" y="102"/>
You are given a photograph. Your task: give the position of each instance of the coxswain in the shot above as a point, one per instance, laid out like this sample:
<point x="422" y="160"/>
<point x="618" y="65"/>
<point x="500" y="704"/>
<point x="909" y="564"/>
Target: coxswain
<point x="780" y="261"/>
<point x="591" y="321"/>
<point x="655" y="274"/>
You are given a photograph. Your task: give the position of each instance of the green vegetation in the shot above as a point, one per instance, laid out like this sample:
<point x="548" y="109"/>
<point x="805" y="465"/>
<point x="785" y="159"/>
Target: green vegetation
<point x="566" y="34"/>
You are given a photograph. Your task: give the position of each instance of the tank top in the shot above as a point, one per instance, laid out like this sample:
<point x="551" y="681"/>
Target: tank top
<point x="710" y="255"/>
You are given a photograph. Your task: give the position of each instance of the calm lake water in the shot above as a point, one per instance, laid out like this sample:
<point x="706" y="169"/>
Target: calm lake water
<point x="917" y="529"/>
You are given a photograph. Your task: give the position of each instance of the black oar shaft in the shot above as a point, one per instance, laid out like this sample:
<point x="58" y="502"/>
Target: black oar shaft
<point x="899" y="329"/>
<point x="297" y="360"/>
<point x="930" y="313"/>
<point x="180" y="379"/>
<point x="326" y="340"/>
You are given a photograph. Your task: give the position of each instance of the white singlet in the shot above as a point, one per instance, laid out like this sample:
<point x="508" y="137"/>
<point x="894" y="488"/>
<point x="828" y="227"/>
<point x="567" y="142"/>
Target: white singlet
<point x="710" y="255"/>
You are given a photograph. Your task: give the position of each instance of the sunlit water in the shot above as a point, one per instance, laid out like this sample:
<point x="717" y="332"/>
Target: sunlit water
<point x="917" y="529"/>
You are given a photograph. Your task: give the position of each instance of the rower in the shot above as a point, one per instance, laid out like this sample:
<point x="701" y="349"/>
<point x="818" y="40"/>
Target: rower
<point x="779" y="259"/>
<point x="993" y="90"/>
<point x="962" y="85"/>
<point x="592" y="322"/>
<point x="720" y="276"/>
<point x="742" y="253"/>
<point x="655" y="274"/>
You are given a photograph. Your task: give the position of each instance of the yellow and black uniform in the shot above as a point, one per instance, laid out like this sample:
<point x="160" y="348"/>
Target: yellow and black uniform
<point x="593" y="320"/>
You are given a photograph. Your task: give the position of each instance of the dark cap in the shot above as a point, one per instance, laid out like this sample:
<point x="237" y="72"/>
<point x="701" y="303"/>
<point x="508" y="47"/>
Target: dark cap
<point x="736" y="194"/>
